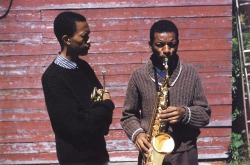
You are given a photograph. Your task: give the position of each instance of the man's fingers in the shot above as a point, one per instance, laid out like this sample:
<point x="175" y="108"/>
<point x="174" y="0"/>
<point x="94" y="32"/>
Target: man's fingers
<point x="138" y="147"/>
<point x="142" y="143"/>
<point x="170" y="113"/>
<point x="171" y="120"/>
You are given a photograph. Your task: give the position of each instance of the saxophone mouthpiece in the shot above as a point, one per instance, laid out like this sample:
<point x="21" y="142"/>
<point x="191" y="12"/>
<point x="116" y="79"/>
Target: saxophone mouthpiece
<point x="165" y="62"/>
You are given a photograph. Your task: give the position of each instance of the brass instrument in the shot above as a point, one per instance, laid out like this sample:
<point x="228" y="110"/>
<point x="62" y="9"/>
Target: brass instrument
<point x="94" y="95"/>
<point x="162" y="143"/>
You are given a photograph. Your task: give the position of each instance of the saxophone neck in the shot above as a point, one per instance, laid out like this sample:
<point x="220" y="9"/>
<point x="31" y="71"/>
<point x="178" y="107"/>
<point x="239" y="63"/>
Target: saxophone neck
<point x="165" y="64"/>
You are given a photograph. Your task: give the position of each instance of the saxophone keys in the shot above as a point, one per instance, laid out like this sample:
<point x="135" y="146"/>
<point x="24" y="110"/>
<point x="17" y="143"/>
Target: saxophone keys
<point x="154" y="133"/>
<point x="156" y="127"/>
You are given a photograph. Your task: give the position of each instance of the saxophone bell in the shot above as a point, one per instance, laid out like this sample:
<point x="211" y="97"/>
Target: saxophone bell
<point x="163" y="144"/>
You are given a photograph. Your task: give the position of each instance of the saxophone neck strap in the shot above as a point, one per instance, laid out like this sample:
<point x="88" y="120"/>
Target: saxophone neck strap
<point x="157" y="85"/>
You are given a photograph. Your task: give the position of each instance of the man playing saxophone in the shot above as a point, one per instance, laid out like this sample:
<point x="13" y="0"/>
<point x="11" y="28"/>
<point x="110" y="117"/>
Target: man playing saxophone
<point x="187" y="109"/>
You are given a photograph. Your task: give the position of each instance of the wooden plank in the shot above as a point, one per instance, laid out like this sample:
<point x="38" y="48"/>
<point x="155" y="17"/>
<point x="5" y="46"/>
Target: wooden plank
<point x="77" y="4"/>
<point x="112" y="145"/>
<point x="138" y="13"/>
<point x="222" y="111"/>
<point x="39" y="131"/>
<point x="34" y="81"/>
<point x="28" y="38"/>
<point x="127" y="157"/>
<point x="143" y="35"/>
<point x="209" y="132"/>
<point x="37" y="93"/>
<point x="117" y="149"/>
<point x="17" y="115"/>
<point x="112" y="36"/>
<point x="215" y="78"/>
<point x="21" y="94"/>
<point x="111" y="58"/>
<point x="113" y="47"/>
<point x="118" y="25"/>
<point x="20" y="16"/>
<point x="205" y="132"/>
<point x="210" y="68"/>
<point x="23" y="104"/>
<point x="38" y="103"/>
<point x="20" y="115"/>
<point x="123" y="156"/>
<point x="98" y="63"/>
<point x="219" y="99"/>
<point x="26" y="128"/>
<point x="215" y="151"/>
<point x="28" y="158"/>
<point x="216" y="121"/>
<point x="221" y="89"/>
<point x="218" y="111"/>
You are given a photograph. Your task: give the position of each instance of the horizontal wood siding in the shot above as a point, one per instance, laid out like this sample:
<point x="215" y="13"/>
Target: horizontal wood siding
<point x="120" y="34"/>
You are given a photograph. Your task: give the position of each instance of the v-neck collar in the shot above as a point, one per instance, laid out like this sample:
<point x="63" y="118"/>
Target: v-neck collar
<point x="174" y="77"/>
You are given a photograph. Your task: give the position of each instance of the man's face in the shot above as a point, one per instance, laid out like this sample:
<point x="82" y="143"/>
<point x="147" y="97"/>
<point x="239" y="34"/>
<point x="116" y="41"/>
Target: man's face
<point x="80" y="42"/>
<point x="165" y="44"/>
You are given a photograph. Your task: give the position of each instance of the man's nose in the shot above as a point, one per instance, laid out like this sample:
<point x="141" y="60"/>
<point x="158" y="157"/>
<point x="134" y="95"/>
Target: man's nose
<point x="166" y="49"/>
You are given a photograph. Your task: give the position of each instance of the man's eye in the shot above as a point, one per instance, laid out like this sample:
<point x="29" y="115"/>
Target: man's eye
<point x="159" y="45"/>
<point x="172" y="45"/>
<point x="85" y="39"/>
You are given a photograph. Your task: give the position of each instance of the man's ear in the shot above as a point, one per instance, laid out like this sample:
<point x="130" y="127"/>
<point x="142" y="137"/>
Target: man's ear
<point x="66" y="40"/>
<point x="177" y="44"/>
<point x="150" y="44"/>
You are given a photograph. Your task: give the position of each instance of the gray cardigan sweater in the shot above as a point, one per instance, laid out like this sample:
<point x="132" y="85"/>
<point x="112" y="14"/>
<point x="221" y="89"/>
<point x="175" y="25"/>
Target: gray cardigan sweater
<point x="185" y="91"/>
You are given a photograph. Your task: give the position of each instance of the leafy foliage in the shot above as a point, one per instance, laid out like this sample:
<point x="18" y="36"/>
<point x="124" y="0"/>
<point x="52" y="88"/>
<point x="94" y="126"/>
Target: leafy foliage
<point x="238" y="150"/>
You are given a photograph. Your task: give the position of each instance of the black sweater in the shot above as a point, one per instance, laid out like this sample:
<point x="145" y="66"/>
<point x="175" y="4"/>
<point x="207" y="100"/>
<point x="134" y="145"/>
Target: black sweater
<point x="78" y="124"/>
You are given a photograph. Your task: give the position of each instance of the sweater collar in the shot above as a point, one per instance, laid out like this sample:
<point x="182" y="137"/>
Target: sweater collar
<point x="174" y="77"/>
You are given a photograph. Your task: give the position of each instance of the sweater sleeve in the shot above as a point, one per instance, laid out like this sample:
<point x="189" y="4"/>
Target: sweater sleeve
<point x="109" y="105"/>
<point x="199" y="113"/>
<point x="130" y="120"/>
<point x="70" y="117"/>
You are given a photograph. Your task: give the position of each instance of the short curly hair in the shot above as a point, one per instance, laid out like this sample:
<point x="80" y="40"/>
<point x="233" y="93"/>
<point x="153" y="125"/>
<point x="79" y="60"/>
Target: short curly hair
<point x="163" y="26"/>
<point x="65" y="24"/>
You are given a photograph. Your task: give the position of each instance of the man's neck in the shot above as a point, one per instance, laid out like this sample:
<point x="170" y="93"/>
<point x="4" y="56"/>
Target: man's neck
<point x="70" y="57"/>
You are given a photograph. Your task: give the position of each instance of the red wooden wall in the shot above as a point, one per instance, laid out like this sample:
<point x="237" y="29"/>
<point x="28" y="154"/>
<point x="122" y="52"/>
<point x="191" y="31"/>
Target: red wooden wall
<point x="120" y="32"/>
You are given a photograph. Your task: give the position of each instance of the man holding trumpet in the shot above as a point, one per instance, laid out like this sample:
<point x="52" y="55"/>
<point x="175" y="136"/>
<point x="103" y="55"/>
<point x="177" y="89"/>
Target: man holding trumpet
<point x="78" y="121"/>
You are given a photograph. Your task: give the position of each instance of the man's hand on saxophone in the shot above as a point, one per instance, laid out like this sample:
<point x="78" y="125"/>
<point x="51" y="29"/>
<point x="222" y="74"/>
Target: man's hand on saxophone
<point x="172" y="114"/>
<point x="142" y="144"/>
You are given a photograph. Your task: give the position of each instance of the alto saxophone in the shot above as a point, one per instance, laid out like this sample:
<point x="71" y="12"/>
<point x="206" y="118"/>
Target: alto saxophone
<point x="162" y="143"/>
<point x="94" y="95"/>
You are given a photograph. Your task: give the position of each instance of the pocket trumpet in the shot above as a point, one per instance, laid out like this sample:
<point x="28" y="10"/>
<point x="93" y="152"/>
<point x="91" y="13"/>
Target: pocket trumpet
<point x="94" y="95"/>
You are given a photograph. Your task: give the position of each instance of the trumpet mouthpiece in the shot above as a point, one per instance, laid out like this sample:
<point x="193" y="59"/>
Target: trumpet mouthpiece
<point x="104" y="71"/>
